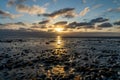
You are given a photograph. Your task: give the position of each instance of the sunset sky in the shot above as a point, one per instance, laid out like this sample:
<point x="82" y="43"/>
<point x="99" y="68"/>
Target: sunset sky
<point x="60" y="15"/>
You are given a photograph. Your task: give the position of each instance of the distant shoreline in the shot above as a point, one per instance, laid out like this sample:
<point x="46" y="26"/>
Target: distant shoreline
<point x="20" y="38"/>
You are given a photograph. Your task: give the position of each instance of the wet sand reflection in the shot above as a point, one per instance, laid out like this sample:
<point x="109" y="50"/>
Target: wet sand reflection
<point x="59" y="42"/>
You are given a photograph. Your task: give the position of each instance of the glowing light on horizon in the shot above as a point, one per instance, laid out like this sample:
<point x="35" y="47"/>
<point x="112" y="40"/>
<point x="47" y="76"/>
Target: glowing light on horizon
<point x="59" y="29"/>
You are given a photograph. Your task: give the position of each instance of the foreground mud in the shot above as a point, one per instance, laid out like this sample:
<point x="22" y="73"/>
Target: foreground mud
<point x="60" y="59"/>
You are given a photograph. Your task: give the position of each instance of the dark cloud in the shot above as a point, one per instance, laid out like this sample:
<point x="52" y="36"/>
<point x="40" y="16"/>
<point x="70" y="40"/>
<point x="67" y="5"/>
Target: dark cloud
<point x="105" y="25"/>
<point x="39" y="26"/>
<point x="6" y="14"/>
<point x="117" y="23"/>
<point x="80" y="25"/>
<point x="88" y="27"/>
<point x="61" y="23"/>
<point x="35" y="26"/>
<point x="22" y="8"/>
<point x="99" y="20"/>
<point x="44" y="22"/>
<point x="17" y="23"/>
<point x="32" y="10"/>
<point x="58" y="13"/>
<point x="70" y="14"/>
<point x="72" y="25"/>
<point x="84" y="24"/>
<point x="23" y="29"/>
<point x="15" y="2"/>
<point x="50" y="30"/>
<point x="1" y="24"/>
<point x="11" y="2"/>
<point x="20" y="23"/>
<point x="14" y="25"/>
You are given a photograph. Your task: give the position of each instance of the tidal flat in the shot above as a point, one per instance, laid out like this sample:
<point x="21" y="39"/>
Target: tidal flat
<point x="60" y="59"/>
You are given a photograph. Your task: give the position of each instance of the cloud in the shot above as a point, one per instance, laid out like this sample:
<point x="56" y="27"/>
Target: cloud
<point x="10" y="3"/>
<point x="16" y="2"/>
<point x="66" y="13"/>
<point x="97" y="6"/>
<point x="44" y="22"/>
<point x="14" y="26"/>
<point x="20" y="23"/>
<point x="38" y="26"/>
<point x="117" y="23"/>
<point x="91" y="24"/>
<point x="83" y="24"/>
<point x="84" y="12"/>
<point x="35" y="26"/>
<point x="99" y="20"/>
<point x="58" y="13"/>
<point x="6" y="14"/>
<point x="105" y="25"/>
<point x="61" y="23"/>
<point x="22" y="8"/>
<point x="32" y="10"/>
<point x="116" y="2"/>
<point x="41" y="25"/>
<point x="80" y="25"/>
<point x="72" y="25"/>
<point x="83" y="1"/>
<point x="70" y="14"/>
<point x="54" y="0"/>
<point x="23" y="29"/>
<point x="1" y="24"/>
<point x="114" y="9"/>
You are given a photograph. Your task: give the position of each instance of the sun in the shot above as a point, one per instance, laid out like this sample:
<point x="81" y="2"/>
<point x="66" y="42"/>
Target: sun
<point x="58" y="29"/>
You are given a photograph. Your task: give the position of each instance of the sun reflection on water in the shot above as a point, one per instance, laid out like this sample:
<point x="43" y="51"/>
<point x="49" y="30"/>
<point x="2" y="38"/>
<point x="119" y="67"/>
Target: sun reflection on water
<point x="59" y="42"/>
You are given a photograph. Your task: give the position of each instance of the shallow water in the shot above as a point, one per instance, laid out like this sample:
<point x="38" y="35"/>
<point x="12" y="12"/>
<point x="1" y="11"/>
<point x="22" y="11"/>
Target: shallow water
<point x="60" y="58"/>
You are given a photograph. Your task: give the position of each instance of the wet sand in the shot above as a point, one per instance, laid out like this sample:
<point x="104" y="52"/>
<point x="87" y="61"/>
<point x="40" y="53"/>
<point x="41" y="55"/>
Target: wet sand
<point x="60" y="59"/>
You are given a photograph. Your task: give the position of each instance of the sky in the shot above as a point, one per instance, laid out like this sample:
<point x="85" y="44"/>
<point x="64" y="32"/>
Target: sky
<point x="60" y="15"/>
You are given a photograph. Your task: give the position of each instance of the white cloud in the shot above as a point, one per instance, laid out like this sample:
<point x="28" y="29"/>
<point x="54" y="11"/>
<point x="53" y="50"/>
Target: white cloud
<point x="84" y="12"/>
<point x="97" y="6"/>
